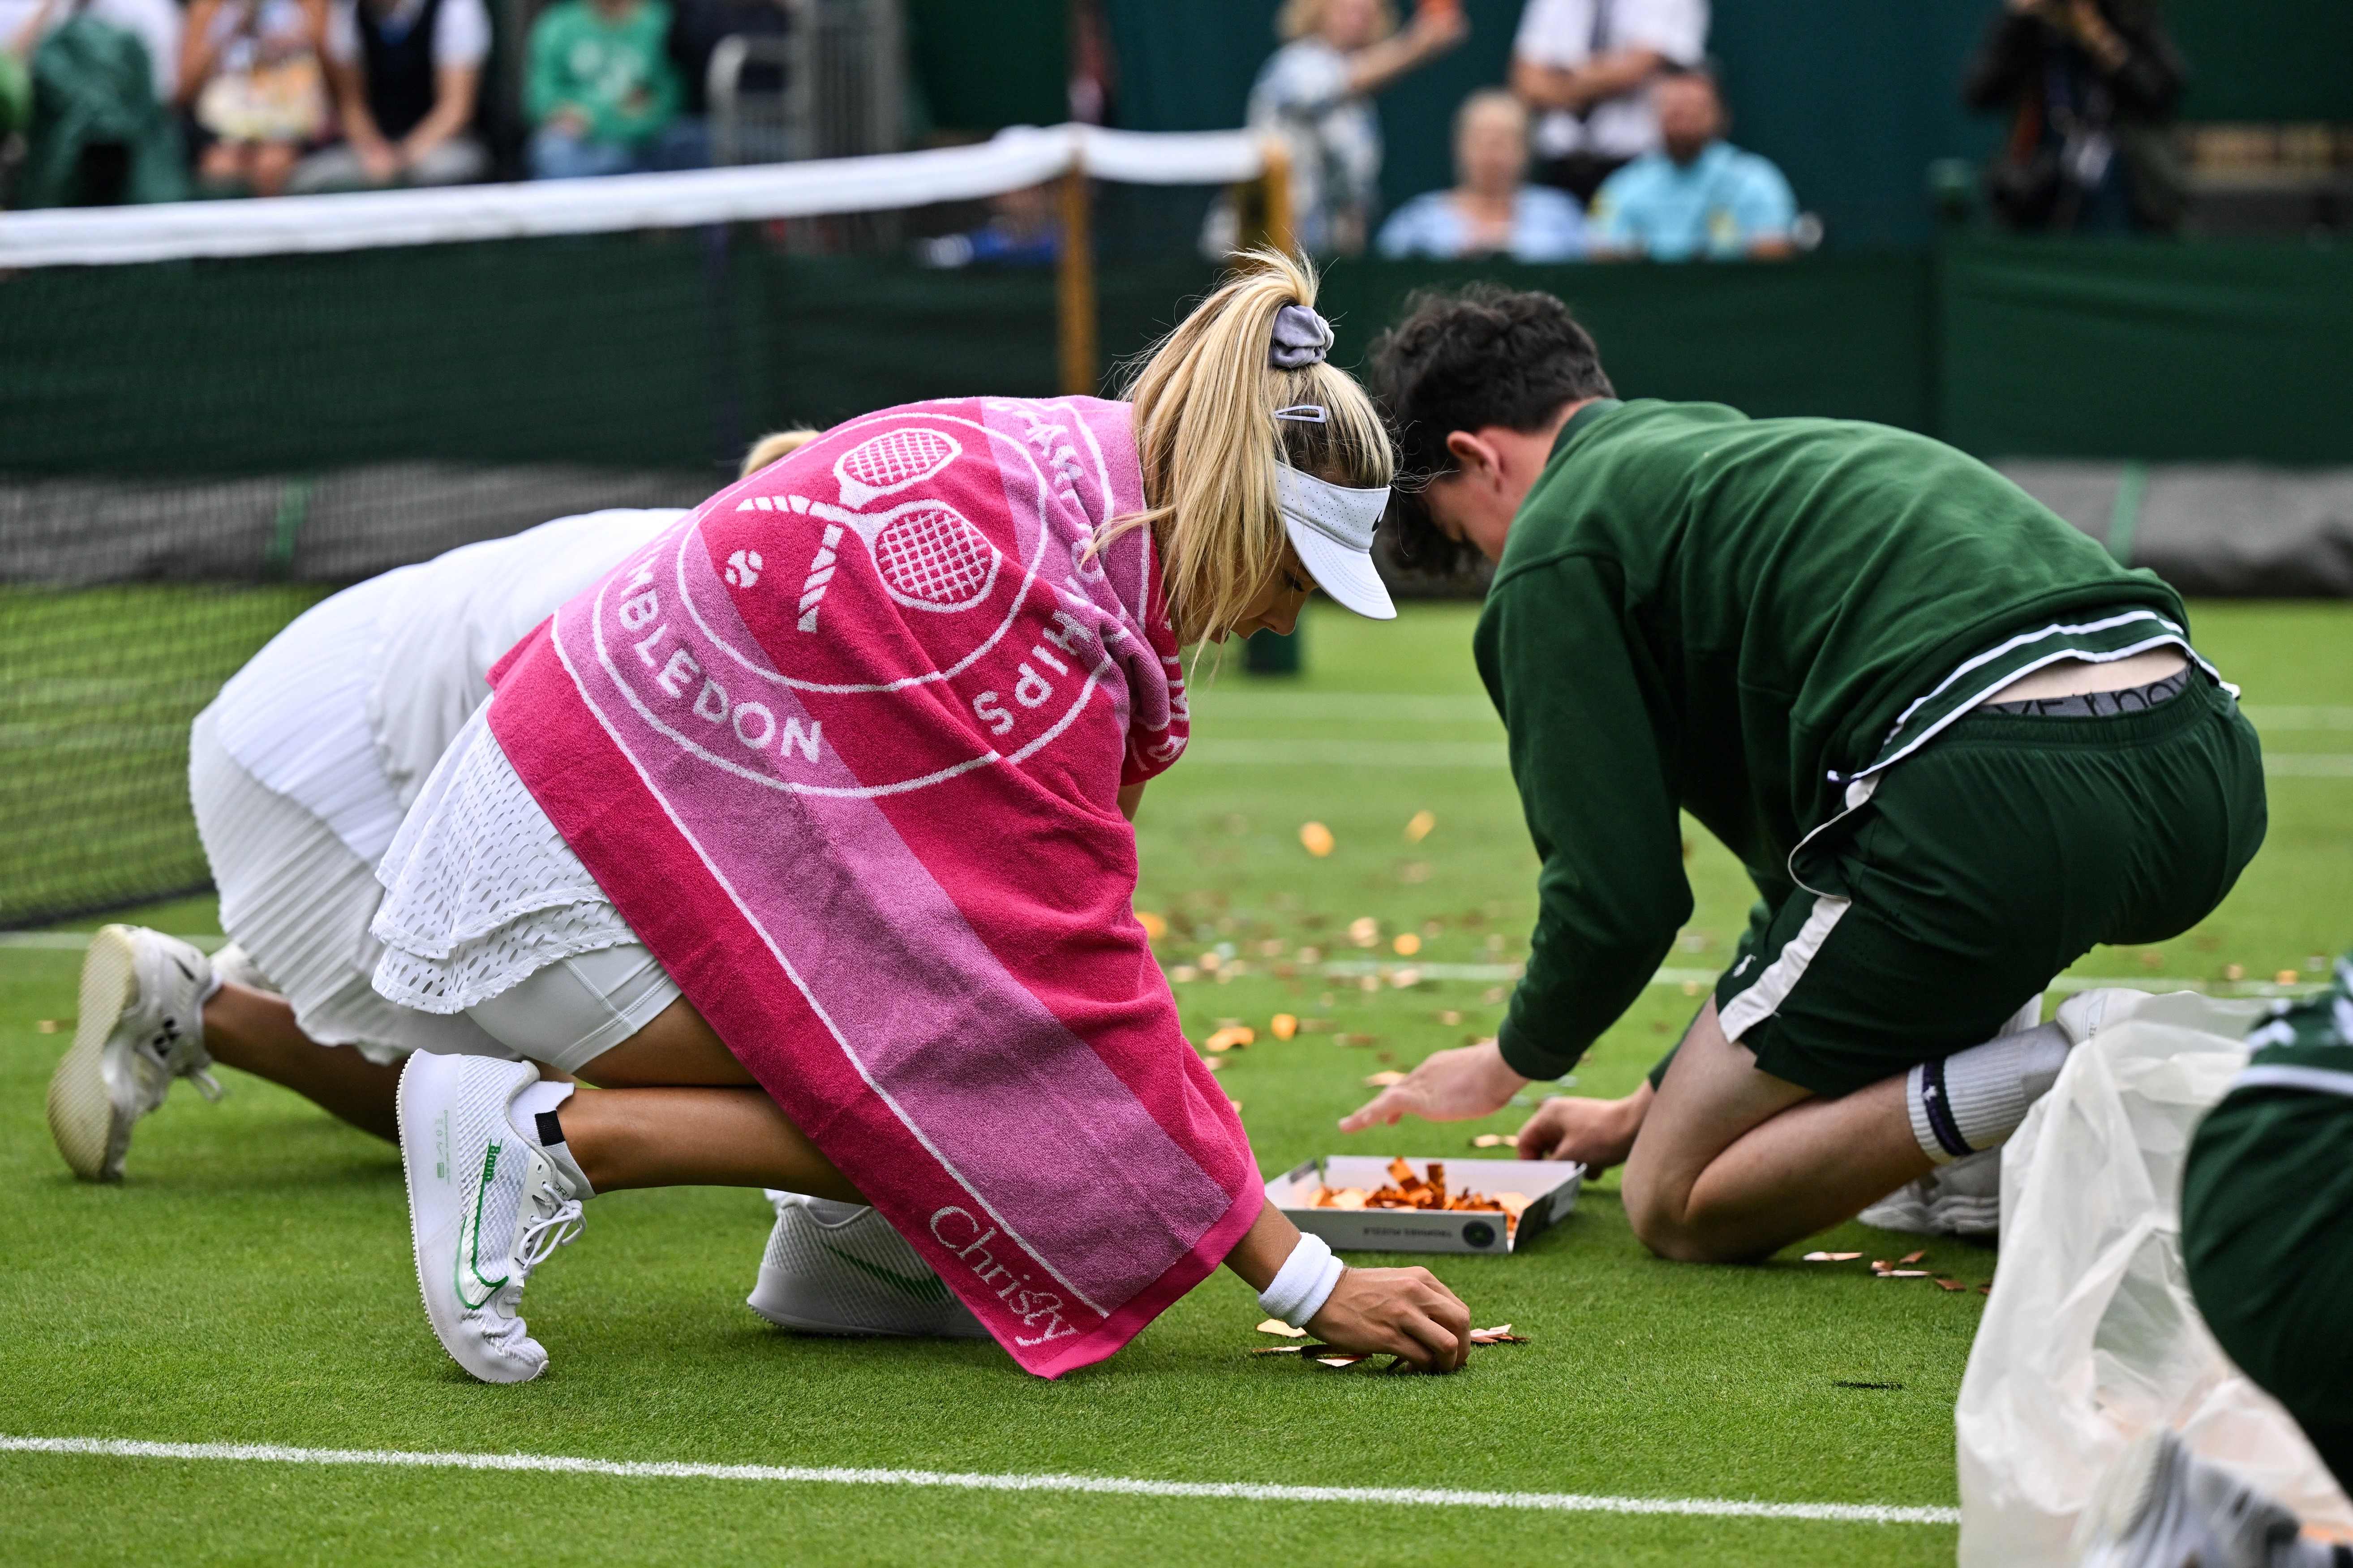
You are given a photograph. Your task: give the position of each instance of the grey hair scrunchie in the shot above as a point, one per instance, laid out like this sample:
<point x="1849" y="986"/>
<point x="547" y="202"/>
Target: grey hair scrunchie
<point x="1302" y="338"/>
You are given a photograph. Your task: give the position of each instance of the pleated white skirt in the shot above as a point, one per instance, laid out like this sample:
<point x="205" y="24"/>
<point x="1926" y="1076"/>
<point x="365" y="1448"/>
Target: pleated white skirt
<point x="296" y="897"/>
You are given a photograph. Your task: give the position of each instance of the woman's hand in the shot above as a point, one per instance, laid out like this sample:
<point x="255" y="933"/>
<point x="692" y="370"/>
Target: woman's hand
<point x="1396" y="1311"/>
<point x="1449" y="1086"/>
<point x="1595" y="1133"/>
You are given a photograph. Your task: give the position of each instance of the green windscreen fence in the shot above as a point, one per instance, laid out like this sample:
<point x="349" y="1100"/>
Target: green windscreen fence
<point x="192" y="451"/>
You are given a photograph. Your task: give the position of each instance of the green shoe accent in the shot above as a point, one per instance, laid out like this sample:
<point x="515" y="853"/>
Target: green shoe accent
<point x="930" y="1289"/>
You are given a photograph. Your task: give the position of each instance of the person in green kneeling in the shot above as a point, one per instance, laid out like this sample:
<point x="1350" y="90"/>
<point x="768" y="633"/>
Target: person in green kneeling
<point x="603" y="96"/>
<point x="1953" y="742"/>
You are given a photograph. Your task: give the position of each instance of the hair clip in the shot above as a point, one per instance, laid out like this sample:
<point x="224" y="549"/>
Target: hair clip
<point x="1305" y="414"/>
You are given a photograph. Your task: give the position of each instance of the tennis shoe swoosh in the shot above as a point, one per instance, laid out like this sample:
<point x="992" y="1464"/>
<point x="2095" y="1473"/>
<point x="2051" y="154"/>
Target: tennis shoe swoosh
<point x="469" y="1261"/>
<point x="930" y="1289"/>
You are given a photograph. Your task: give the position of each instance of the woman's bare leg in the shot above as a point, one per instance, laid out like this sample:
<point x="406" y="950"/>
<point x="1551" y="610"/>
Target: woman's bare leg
<point x="255" y="1032"/>
<point x="675" y="1108"/>
<point x="1733" y="1163"/>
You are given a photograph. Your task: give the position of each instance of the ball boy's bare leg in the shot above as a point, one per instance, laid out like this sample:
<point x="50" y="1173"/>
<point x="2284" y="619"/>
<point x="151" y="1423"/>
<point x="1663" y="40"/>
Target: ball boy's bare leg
<point x="1733" y="1163"/>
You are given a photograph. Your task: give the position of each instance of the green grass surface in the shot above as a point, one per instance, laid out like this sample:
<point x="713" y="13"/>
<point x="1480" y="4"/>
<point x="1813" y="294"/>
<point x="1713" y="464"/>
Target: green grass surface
<point x="251" y="1281"/>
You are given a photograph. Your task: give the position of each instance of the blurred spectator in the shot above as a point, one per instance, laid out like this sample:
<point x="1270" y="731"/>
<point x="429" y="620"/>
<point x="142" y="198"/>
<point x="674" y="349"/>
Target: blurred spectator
<point x="1587" y="66"/>
<point x="2091" y="87"/>
<point x="603" y="93"/>
<point x="1699" y="196"/>
<point x="1315" y="92"/>
<point x="1492" y="208"/>
<point x="250" y="70"/>
<point x="1024" y="229"/>
<point x="407" y="75"/>
<point x="84" y="83"/>
<point x="154" y="23"/>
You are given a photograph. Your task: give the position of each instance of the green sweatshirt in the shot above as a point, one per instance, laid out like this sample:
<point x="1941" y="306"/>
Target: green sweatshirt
<point x="1699" y="610"/>
<point x="617" y="71"/>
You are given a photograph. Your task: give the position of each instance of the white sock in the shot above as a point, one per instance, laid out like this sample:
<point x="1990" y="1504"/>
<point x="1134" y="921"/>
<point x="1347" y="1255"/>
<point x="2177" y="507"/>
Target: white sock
<point x="535" y="1117"/>
<point x="1975" y="1098"/>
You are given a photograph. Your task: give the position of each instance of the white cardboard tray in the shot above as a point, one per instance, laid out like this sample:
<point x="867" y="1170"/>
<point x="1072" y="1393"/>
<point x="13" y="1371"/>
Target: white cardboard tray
<point x="1550" y="1185"/>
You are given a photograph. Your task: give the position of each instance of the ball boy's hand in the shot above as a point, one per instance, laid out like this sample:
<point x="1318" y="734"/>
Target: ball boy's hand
<point x="1449" y="1086"/>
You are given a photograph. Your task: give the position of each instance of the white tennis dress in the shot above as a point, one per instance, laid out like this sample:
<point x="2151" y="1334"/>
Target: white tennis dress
<point x="303" y="768"/>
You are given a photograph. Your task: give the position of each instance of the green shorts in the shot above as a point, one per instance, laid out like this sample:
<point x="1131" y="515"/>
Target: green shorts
<point x="1984" y="865"/>
<point x="2267" y="1237"/>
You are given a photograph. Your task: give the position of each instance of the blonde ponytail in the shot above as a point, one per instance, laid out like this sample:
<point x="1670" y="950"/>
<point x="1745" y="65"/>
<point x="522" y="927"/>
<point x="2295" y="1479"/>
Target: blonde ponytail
<point x="774" y="448"/>
<point x="1204" y="429"/>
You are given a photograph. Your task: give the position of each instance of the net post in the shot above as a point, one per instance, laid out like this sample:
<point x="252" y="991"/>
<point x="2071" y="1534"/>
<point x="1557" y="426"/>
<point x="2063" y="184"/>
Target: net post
<point x="1074" y="285"/>
<point x="1274" y="194"/>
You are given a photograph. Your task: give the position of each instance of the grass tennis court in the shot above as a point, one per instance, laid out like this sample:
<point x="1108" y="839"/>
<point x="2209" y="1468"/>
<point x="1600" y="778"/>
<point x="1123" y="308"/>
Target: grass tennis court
<point x="249" y="1283"/>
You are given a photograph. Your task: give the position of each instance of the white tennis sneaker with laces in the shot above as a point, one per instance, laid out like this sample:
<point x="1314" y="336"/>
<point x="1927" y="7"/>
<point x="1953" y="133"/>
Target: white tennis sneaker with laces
<point x="486" y="1206"/>
<point x="2161" y="1506"/>
<point x="141" y="1030"/>
<point x="839" y="1269"/>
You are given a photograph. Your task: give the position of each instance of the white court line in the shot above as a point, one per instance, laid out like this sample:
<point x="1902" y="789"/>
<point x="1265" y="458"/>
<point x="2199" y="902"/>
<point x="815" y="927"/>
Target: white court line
<point x="2267" y="717"/>
<point x="1309" y="752"/>
<point x="2308" y="765"/>
<point x="1114" y="1486"/>
<point x="1216" y="699"/>
<point x="1357" y="968"/>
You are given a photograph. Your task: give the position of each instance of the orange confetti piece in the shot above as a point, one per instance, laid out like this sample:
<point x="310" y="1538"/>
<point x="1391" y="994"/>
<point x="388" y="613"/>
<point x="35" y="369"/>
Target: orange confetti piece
<point x="1912" y="1257"/>
<point x="1315" y="839"/>
<point x="1154" y="928"/>
<point x="1284" y="1025"/>
<point x="1277" y="1326"/>
<point x="1406" y="945"/>
<point x="1418" y="827"/>
<point x="2284" y="977"/>
<point x="1383" y="1079"/>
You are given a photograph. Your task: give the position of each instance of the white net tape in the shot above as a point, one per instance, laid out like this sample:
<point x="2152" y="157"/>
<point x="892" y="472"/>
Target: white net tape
<point x="1015" y="159"/>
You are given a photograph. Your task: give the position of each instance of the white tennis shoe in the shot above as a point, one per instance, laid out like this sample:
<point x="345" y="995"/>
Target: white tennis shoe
<point x="142" y="1028"/>
<point x="486" y="1206"/>
<point x="1962" y="1198"/>
<point x="2160" y="1506"/>
<point x="839" y="1269"/>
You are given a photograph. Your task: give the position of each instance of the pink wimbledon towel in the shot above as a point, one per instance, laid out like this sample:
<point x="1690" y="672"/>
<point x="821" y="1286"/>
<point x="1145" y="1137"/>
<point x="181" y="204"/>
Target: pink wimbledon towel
<point x="844" y="748"/>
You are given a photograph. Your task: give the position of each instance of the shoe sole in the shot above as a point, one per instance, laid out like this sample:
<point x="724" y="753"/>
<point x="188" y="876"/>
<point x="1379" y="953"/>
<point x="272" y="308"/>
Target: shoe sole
<point x="437" y="1295"/>
<point x="87" y="1127"/>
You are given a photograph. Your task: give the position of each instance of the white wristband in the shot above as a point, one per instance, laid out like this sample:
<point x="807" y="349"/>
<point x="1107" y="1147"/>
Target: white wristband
<point x="1304" y="1283"/>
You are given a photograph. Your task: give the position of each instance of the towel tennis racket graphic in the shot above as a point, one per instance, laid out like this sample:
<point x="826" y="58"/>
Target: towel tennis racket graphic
<point x="886" y="464"/>
<point x="928" y="554"/>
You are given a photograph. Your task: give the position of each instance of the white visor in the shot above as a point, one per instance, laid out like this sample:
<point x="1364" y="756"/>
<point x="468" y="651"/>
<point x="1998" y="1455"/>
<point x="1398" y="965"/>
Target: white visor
<point x="1331" y="526"/>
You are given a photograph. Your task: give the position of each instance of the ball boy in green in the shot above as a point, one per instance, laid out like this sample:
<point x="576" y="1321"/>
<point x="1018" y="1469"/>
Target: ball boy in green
<point x="1953" y="744"/>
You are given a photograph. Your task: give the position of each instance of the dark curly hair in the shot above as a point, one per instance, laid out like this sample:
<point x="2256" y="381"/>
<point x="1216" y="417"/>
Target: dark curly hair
<point x="1463" y="360"/>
